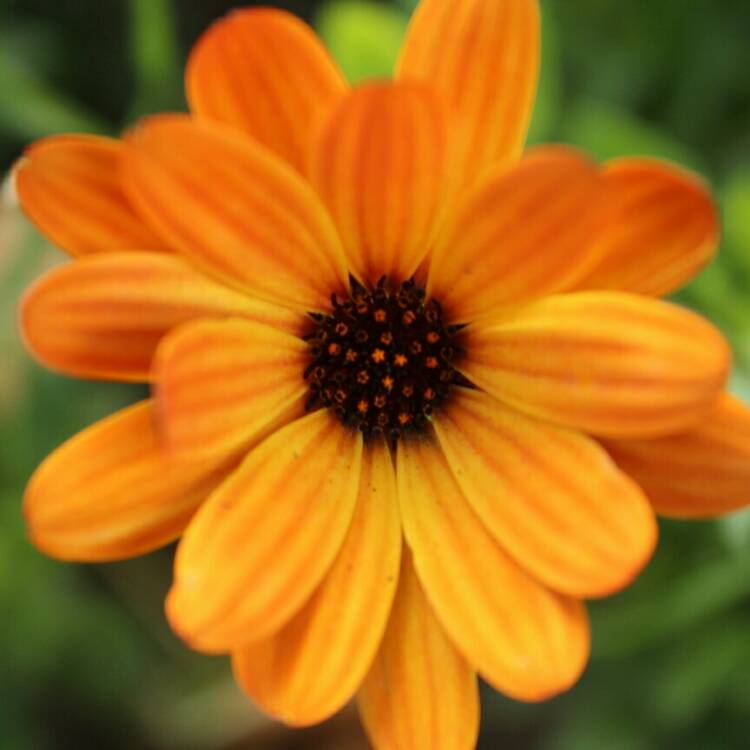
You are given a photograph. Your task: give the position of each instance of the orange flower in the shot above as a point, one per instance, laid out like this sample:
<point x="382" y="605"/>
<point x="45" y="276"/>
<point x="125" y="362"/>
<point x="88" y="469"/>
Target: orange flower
<point x="365" y="313"/>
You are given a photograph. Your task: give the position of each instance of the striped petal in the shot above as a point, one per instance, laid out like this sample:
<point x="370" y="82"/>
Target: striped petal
<point x="236" y="209"/>
<point x="313" y="666"/>
<point x="111" y="493"/>
<point x="526" y="641"/>
<point x="550" y="496"/>
<point x="701" y="473"/>
<point x="420" y="692"/>
<point x="608" y="363"/>
<point x="664" y="230"/>
<point x="222" y="384"/>
<point x="379" y="166"/>
<point x="103" y="316"/>
<point x="483" y="57"/>
<point x="263" y="542"/>
<point x="524" y="232"/>
<point x="266" y="72"/>
<point x="69" y="186"/>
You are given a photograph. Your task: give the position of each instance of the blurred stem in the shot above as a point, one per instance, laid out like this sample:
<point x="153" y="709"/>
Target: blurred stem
<point x="155" y="57"/>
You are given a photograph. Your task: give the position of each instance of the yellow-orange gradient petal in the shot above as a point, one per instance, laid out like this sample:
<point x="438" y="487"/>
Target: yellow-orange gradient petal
<point x="525" y="640"/>
<point x="266" y="72"/>
<point x="523" y="232"/>
<point x="665" y="228"/>
<point x="697" y="474"/>
<point x="609" y="363"/>
<point x="315" y="663"/>
<point x="102" y="316"/>
<point x="69" y="186"/>
<point x="222" y="384"/>
<point x="262" y="543"/>
<point x="236" y="209"/>
<point x="420" y="692"/>
<point x="379" y="166"/>
<point x="550" y="496"/>
<point x="111" y="493"/>
<point x="483" y="57"/>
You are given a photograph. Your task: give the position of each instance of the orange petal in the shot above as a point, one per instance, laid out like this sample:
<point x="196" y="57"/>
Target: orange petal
<point x="609" y="363"/>
<point x="550" y="496"/>
<point x="266" y="72"/>
<point x="222" y="384"/>
<point x="379" y="166"/>
<point x="483" y="56"/>
<point x="524" y="232"/>
<point x="526" y="641"/>
<point x="420" y="692"/>
<point x="69" y="186"/>
<point x="236" y="209"/>
<point x="262" y="543"/>
<point x="103" y="316"/>
<point x="664" y="230"/>
<point x="111" y="493"/>
<point x="313" y="666"/>
<point x="700" y="473"/>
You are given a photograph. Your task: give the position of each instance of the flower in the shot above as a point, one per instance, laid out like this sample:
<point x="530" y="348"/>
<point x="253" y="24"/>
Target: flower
<point x="368" y="316"/>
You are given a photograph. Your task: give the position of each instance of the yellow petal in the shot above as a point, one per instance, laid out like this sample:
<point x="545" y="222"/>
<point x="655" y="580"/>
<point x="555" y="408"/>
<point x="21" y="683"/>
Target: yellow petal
<point x="420" y="692"/>
<point x="69" y="186"/>
<point x="483" y="57"/>
<point x="222" y="384"/>
<point x="379" y="166"/>
<point x="263" y="541"/>
<point x="700" y="473"/>
<point x="664" y="229"/>
<point x="111" y="492"/>
<point x="103" y="316"/>
<point x="315" y="663"/>
<point x="526" y="641"/>
<point x="236" y="209"/>
<point x="522" y="233"/>
<point x="550" y="496"/>
<point x="266" y="72"/>
<point x="608" y="363"/>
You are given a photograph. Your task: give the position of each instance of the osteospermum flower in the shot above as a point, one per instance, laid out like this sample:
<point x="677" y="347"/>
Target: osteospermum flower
<point x="367" y="316"/>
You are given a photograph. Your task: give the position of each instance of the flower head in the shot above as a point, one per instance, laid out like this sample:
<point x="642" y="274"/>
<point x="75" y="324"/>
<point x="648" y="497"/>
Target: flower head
<point x="368" y="317"/>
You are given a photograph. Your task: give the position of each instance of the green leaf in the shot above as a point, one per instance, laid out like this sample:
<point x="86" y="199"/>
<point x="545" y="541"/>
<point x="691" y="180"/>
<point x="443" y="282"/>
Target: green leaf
<point x="735" y="200"/>
<point x="608" y="132"/>
<point x="364" y="37"/>
<point x="549" y="94"/>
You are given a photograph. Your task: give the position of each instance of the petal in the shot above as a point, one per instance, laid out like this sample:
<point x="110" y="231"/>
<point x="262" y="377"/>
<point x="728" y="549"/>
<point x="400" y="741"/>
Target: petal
<point x="700" y="473"/>
<point x="524" y="232"/>
<point x="313" y="666"/>
<point x="236" y="209"/>
<point x="664" y="230"/>
<point x="111" y="493"/>
<point x="550" y="496"/>
<point x="103" y="316"/>
<point x="526" y="641"/>
<point x="262" y="543"/>
<point x="609" y="363"/>
<point x="379" y="166"/>
<point x="222" y="384"/>
<point x="420" y="692"/>
<point x="266" y="72"/>
<point x="483" y="57"/>
<point x="69" y="186"/>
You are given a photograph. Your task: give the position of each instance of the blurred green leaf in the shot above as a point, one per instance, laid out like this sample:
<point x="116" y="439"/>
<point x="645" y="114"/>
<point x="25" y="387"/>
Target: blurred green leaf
<point x="155" y="58"/>
<point x="31" y="109"/>
<point x="608" y="132"/>
<point x="364" y="37"/>
<point x="735" y="200"/>
<point x="549" y="94"/>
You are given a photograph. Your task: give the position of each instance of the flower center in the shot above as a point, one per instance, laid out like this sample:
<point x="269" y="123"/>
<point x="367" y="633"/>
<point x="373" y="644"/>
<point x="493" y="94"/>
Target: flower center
<point x="382" y="359"/>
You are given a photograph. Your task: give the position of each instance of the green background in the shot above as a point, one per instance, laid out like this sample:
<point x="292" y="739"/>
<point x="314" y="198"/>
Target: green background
<point x="86" y="660"/>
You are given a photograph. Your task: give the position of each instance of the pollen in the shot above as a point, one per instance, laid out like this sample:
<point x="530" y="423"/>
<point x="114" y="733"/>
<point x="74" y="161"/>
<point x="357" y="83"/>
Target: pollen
<point x="398" y="364"/>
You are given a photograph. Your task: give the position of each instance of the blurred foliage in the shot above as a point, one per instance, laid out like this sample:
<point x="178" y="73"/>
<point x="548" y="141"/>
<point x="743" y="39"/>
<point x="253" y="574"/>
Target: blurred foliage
<point x="87" y="660"/>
